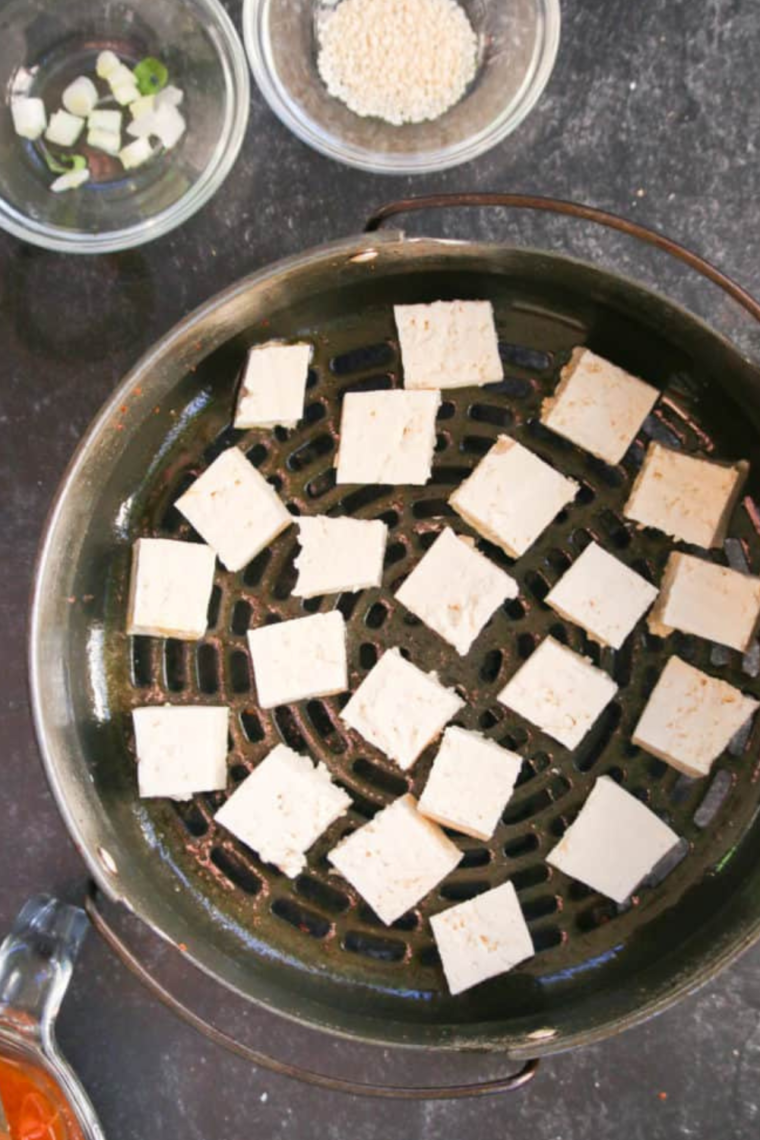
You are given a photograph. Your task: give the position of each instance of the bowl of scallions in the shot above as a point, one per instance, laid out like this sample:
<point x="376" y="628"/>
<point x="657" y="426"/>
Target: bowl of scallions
<point x="117" y="121"/>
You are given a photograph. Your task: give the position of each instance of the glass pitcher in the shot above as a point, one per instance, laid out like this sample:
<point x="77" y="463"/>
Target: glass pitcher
<point x="40" y="1098"/>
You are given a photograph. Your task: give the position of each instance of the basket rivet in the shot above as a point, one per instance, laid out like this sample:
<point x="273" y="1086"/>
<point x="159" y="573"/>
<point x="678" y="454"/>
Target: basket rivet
<point x="542" y="1034"/>
<point x="107" y="859"/>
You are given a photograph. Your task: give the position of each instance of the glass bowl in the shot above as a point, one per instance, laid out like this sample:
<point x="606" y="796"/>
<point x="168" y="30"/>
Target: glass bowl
<point x="518" y="42"/>
<point x="60" y="39"/>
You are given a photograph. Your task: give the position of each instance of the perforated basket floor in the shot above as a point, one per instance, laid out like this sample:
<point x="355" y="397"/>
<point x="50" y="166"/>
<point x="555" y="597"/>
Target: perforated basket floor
<point x="316" y="926"/>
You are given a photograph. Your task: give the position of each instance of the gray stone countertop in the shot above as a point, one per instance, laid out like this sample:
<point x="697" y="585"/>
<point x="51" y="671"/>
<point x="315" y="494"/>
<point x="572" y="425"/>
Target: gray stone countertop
<point x="653" y="111"/>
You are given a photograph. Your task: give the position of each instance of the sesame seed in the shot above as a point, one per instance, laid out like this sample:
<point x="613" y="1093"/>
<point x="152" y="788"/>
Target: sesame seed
<point x="404" y="61"/>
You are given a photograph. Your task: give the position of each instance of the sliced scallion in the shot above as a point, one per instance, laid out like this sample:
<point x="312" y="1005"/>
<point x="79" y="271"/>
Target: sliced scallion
<point x="151" y="75"/>
<point x="63" y="163"/>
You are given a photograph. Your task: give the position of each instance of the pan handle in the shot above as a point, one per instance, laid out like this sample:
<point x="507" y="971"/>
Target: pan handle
<point x="571" y="210"/>
<point x="283" y="1068"/>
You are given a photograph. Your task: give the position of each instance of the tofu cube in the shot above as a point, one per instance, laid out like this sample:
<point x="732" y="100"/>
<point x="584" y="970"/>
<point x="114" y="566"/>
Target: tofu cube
<point x="170" y="588"/>
<point x="273" y="386"/>
<point x="234" y="509"/>
<point x="387" y="437"/>
<point x="559" y="691"/>
<point x="449" y="344"/>
<point x="690" y="718"/>
<point x="181" y="750"/>
<point x="64" y="129"/>
<point x="283" y="807"/>
<point x="400" y="709"/>
<point x="298" y="659"/>
<point x="470" y="783"/>
<point x="602" y="595"/>
<point x="339" y="554"/>
<point x="455" y="589"/>
<point x="29" y="118"/>
<point x="689" y="499"/>
<point x="395" y="859"/>
<point x="614" y="843"/>
<point x="707" y="600"/>
<point x="598" y="406"/>
<point x="512" y="496"/>
<point x="481" y="938"/>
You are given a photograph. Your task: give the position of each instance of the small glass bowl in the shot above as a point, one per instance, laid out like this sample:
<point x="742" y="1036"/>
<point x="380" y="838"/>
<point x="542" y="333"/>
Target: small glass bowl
<point x="60" y="39"/>
<point x="518" y="42"/>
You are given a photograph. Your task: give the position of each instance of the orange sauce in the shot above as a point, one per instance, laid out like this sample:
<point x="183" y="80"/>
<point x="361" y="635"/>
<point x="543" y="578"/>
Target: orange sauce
<point x="34" y="1105"/>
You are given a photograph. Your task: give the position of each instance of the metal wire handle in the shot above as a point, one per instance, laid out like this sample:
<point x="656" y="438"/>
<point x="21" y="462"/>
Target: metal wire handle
<point x="284" y="1068"/>
<point x="571" y="210"/>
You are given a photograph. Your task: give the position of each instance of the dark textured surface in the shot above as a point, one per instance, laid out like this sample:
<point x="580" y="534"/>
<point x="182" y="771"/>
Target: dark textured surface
<point x="651" y="111"/>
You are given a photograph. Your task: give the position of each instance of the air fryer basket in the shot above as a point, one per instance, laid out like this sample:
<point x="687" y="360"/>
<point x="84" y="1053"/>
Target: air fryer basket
<point x="309" y="948"/>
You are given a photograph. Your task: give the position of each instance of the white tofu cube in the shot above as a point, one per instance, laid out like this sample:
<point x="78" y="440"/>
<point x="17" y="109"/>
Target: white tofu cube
<point x="481" y="938"/>
<point x="170" y="588"/>
<point x="512" y="496"/>
<point x="298" y="659"/>
<point x="181" y="750"/>
<point x="455" y="589"/>
<point x="135" y="154"/>
<point x="559" y="691"/>
<point x="707" y="600"/>
<point x="234" y="509"/>
<point x="273" y="386"/>
<point x="470" y="783"/>
<point x="64" y="129"/>
<point x="689" y="499"/>
<point x="107" y="141"/>
<point x="339" y="554"/>
<point x="29" y="118"/>
<point x="80" y="97"/>
<point x="598" y="406"/>
<point x="449" y="344"/>
<point x="400" y="709"/>
<point x="602" y="595"/>
<point x="101" y="120"/>
<point x="395" y="859"/>
<point x="387" y="437"/>
<point x="690" y="718"/>
<point x="614" y="843"/>
<point x="283" y="807"/>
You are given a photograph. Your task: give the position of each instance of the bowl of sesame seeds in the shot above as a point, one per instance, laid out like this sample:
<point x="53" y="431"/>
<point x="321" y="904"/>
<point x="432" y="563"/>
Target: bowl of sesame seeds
<point x="401" y="86"/>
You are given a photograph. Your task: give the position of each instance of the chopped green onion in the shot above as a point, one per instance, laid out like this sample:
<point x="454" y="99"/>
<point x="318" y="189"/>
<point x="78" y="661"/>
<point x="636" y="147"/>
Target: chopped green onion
<point x="64" y="163"/>
<point x="151" y="75"/>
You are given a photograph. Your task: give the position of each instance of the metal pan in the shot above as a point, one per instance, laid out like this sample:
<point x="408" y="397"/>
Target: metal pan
<point x="310" y="949"/>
